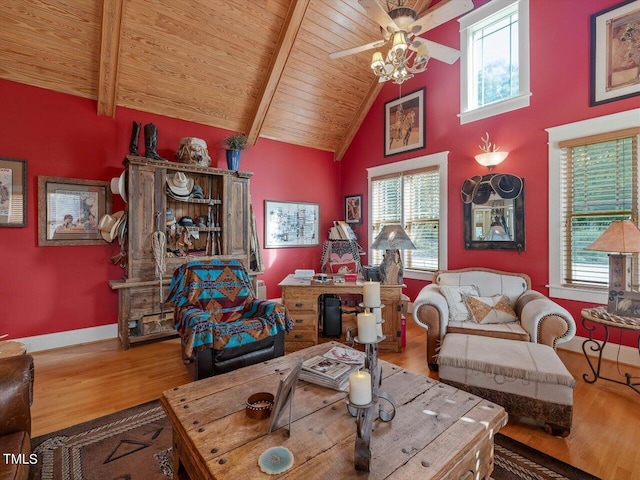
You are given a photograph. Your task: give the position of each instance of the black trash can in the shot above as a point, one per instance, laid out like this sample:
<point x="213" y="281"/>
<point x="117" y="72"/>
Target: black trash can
<point x="330" y="315"/>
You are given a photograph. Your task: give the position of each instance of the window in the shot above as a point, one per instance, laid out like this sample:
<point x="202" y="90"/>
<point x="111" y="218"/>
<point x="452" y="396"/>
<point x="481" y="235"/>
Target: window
<point x="494" y="68"/>
<point x="593" y="180"/>
<point x="412" y="193"/>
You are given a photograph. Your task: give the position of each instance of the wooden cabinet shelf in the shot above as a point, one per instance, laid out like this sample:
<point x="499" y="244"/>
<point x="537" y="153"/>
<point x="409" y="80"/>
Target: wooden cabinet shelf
<point x="227" y="209"/>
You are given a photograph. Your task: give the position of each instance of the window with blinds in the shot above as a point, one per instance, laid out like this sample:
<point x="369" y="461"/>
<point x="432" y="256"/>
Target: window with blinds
<point x="412" y="199"/>
<point x="600" y="185"/>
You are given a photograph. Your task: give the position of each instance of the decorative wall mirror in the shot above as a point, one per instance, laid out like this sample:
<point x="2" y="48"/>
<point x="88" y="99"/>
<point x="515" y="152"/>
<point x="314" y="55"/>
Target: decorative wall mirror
<point x="494" y="212"/>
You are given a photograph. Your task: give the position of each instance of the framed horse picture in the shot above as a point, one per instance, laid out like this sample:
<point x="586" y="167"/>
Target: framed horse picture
<point x="404" y="123"/>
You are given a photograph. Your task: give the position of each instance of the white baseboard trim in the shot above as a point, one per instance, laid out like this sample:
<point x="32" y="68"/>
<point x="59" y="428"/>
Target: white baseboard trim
<point x="71" y="337"/>
<point x="613" y="351"/>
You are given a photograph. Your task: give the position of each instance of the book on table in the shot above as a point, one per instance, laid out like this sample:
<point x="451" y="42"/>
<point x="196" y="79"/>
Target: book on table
<point x="326" y="370"/>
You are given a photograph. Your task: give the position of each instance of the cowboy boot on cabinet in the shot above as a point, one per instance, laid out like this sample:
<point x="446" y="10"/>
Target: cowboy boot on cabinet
<point x="135" y="134"/>
<point x="151" y="142"/>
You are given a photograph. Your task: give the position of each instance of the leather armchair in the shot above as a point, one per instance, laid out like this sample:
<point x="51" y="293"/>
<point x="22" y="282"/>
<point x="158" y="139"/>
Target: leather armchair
<point x="16" y="397"/>
<point x="222" y="325"/>
<point x="540" y="319"/>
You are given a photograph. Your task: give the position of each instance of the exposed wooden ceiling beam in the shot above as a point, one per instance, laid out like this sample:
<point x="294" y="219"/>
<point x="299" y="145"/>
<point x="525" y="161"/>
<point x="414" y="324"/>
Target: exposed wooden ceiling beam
<point x="288" y="35"/>
<point x="358" y="118"/>
<point x="109" y="55"/>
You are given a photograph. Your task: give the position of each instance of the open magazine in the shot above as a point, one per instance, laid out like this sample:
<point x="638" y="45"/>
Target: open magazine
<point x="333" y="368"/>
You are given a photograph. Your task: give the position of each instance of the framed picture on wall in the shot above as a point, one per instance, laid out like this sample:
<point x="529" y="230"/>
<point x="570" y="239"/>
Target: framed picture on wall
<point x="404" y="123"/>
<point x="615" y="53"/>
<point x="353" y="209"/>
<point x="69" y="210"/>
<point x="13" y="192"/>
<point x="291" y="224"/>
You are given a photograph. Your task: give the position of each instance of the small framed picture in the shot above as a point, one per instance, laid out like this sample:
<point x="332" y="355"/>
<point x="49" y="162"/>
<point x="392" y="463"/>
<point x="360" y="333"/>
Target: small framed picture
<point x="404" y="123"/>
<point x="624" y="303"/>
<point x="615" y="53"/>
<point x="353" y="209"/>
<point x="69" y="210"/>
<point x="13" y="192"/>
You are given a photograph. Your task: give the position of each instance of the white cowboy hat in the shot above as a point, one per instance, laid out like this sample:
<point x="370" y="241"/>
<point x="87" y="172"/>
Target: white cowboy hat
<point x="180" y="184"/>
<point x="109" y="225"/>
<point x="117" y="186"/>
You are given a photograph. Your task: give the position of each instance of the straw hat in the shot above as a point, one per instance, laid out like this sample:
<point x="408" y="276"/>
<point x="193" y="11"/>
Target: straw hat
<point x="108" y="225"/>
<point x="117" y="186"/>
<point x="180" y="184"/>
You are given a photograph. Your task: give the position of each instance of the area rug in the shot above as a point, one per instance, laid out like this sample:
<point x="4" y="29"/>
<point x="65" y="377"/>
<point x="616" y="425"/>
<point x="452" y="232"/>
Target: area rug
<point x="135" y="444"/>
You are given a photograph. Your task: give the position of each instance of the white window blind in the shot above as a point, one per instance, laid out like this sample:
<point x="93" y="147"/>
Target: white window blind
<point x="412" y="199"/>
<point x="600" y="185"/>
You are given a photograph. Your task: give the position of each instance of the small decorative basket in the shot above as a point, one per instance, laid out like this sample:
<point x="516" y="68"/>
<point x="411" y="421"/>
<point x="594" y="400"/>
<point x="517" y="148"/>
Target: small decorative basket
<point x="193" y="151"/>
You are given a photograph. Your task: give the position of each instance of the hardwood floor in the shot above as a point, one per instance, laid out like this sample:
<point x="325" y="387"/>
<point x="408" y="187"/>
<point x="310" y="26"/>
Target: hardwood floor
<point x="79" y="383"/>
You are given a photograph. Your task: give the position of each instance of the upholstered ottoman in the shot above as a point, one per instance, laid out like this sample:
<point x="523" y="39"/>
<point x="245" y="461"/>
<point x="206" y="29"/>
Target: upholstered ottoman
<point x="527" y="379"/>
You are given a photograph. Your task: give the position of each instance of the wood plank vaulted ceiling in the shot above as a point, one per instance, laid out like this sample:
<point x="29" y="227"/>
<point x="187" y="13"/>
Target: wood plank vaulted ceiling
<point x="260" y="67"/>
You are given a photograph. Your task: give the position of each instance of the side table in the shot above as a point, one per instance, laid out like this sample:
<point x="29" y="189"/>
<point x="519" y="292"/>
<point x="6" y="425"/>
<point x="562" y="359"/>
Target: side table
<point x="591" y="318"/>
<point x="10" y="348"/>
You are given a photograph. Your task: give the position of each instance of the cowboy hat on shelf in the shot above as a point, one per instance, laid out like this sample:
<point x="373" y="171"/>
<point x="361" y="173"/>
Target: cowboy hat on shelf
<point x="108" y="225"/>
<point x="179" y="184"/>
<point x="118" y="186"/>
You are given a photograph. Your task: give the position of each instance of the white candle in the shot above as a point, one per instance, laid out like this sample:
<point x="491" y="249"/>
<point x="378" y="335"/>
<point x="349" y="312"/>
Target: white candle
<point x="378" y="314"/>
<point x="367" y="327"/>
<point x="359" y="388"/>
<point x="371" y="294"/>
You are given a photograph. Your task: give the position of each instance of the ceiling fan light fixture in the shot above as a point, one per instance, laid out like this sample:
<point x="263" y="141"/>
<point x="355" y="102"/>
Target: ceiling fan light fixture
<point x="407" y="54"/>
<point x="377" y="61"/>
<point x="399" y="43"/>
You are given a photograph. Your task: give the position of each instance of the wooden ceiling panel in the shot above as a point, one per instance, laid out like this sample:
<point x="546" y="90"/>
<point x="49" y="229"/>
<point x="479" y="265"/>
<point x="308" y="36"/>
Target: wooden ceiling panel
<point x="187" y="48"/>
<point x="261" y="67"/>
<point x="51" y="44"/>
<point x="312" y="81"/>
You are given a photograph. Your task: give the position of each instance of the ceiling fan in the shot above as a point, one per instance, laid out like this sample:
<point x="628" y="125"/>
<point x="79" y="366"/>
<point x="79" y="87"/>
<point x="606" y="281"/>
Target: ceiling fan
<point x="400" y="27"/>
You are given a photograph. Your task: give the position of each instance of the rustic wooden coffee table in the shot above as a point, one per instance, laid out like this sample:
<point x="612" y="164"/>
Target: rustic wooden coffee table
<point x="439" y="432"/>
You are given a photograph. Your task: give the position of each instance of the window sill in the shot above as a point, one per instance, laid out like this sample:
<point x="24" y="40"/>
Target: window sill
<point x="418" y="275"/>
<point x="589" y="295"/>
<point x="493" y="109"/>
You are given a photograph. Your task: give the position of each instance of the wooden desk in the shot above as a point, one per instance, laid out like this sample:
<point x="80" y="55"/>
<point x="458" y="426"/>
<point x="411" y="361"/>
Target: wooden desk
<point x="300" y="297"/>
<point x="591" y="318"/>
<point x="438" y="432"/>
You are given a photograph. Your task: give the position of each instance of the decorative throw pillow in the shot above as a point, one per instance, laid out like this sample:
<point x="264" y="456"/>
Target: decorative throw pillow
<point x="458" y="311"/>
<point x="342" y="268"/>
<point x="495" y="309"/>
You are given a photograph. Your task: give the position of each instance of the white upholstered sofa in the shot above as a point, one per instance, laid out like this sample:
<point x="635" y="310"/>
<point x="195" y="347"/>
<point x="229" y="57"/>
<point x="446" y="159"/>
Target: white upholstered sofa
<point x="444" y="307"/>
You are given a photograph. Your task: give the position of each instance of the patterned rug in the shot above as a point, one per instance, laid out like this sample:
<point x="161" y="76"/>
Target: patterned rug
<point x="135" y="444"/>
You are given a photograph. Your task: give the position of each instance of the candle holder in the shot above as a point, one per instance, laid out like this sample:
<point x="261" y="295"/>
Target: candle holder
<point x="365" y="413"/>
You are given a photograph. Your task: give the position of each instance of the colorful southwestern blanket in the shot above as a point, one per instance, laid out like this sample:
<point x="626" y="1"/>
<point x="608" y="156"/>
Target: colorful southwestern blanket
<point x="215" y="307"/>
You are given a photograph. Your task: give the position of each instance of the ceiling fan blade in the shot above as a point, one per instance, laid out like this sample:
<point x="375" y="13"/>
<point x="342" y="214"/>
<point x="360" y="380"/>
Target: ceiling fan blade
<point x="361" y="48"/>
<point x="441" y="13"/>
<point x="379" y="14"/>
<point x="435" y="50"/>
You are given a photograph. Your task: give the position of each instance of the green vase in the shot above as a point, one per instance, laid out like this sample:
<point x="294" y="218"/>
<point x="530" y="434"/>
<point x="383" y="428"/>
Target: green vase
<point x="233" y="160"/>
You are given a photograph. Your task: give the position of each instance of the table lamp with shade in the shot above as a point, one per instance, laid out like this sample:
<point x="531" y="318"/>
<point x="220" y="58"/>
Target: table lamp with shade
<point x="620" y="238"/>
<point x="392" y="239"/>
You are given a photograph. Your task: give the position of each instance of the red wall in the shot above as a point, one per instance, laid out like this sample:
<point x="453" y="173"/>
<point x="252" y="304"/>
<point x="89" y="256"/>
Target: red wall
<point x="53" y="289"/>
<point x="560" y="87"/>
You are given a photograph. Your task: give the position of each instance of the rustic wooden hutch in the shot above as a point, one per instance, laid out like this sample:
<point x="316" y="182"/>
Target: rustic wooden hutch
<point x="141" y="313"/>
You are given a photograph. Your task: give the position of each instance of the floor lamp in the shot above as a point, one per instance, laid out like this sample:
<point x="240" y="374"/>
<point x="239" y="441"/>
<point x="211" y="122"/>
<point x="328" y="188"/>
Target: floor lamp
<point x="623" y="238"/>
<point x="392" y="239"/>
